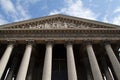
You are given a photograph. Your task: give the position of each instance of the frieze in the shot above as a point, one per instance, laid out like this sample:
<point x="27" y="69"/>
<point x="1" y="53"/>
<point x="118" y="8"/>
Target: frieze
<point x="54" y="25"/>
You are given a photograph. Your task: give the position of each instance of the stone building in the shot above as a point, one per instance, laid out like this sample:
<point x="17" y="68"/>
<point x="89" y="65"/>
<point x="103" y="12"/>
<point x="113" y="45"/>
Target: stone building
<point x="59" y="47"/>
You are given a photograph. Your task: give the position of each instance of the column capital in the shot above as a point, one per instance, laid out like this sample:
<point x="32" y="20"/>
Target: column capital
<point x="49" y="41"/>
<point x="30" y="42"/>
<point x="106" y="42"/>
<point x="11" y="41"/>
<point x="69" y="41"/>
<point x="88" y="42"/>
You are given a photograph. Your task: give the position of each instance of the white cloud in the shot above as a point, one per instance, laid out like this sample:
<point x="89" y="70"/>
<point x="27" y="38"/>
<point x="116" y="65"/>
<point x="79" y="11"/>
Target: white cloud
<point x="13" y="11"/>
<point x="16" y="11"/>
<point x="105" y="19"/>
<point x="23" y="12"/>
<point x="90" y="1"/>
<point x="117" y="10"/>
<point x="2" y="20"/>
<point x="113" y="18"/>
<point x="22" y="8"/>
<point x="33" y="1"/>
<point x="75" y="8"/>
<point x="7" y="6"/>
<point x="116" y="20"/>
<point x="27" y="3"/>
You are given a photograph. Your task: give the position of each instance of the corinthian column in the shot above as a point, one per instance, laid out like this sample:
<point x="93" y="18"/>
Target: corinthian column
<point x="115" y="63"/>
<point x="72" y="75"/>
<point x="47" y="69"/>
<point x="25" y="63"/>
<point x="93" y="63"/>
<point x="5" y="58"/>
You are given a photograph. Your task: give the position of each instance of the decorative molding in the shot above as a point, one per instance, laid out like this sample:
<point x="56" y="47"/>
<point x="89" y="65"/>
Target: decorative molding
<point x="59" y="34"/>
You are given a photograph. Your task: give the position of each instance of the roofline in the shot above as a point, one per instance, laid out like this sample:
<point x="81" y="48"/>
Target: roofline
<point x="91" y="21"/>
<point x="61" y="15"/>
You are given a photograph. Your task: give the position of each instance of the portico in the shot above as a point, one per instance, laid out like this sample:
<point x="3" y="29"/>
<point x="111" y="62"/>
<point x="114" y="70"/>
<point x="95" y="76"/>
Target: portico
<point x="59" y="47"/>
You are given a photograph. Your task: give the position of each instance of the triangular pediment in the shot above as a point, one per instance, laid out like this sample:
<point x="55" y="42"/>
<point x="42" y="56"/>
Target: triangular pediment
<point x="57" y="22"/>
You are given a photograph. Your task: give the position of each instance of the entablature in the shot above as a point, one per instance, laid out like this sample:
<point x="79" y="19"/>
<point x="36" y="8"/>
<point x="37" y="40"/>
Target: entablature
<point x="59" y="34"/>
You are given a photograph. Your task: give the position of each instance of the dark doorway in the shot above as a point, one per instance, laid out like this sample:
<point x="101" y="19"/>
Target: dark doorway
<point x="59" y="65"/>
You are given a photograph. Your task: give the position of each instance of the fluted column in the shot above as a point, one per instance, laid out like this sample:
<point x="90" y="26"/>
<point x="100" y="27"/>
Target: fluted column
<point x="5" y="58"/>
<point x="115" y="63"/>
<point x="25" y="63"/>
<point x="93" y="63"/>
<point x="72" y="75"/>
<point x="47" y="69"/>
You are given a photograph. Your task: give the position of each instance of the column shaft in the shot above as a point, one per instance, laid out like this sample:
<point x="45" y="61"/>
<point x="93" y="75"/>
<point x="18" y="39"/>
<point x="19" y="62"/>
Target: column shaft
<point x="72" y="75"/>
<point x="30" y="69"/>
<point x="25" y="63"/>
<point x="47" y="69"/>
<point x="5" y="58"/>
<point x="93" y="63"/>
<point x="105" y="68"/>
<point x="115" y="63"/>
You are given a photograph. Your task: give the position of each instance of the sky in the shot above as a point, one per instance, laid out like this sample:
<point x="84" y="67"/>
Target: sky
<point x="100" y="10"/>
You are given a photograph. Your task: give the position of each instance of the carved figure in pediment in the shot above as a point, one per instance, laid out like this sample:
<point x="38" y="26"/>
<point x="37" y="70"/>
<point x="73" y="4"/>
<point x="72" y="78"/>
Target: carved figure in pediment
<point x="55" y="25"/>
<point x="71" y="25"/>
<point x="30" y="26"/>
<point x="81" y="26"/>
<point x="59" y="24"/>
<point x="47" y="25"/>
<point x="40" y="26"/>
<point x="63" y="25"/>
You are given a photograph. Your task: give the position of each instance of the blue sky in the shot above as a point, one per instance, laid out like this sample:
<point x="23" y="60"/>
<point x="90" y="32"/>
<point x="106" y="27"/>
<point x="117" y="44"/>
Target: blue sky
<point x="100" y="10"/>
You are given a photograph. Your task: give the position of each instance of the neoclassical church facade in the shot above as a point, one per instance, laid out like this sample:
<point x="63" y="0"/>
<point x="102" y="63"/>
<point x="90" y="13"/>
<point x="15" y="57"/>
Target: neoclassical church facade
<point x="59" y="47"/>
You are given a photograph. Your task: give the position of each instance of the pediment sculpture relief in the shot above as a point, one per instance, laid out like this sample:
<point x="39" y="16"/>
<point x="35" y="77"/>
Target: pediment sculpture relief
<point x="60" y="22"/>
<point x="56" y="25"/>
